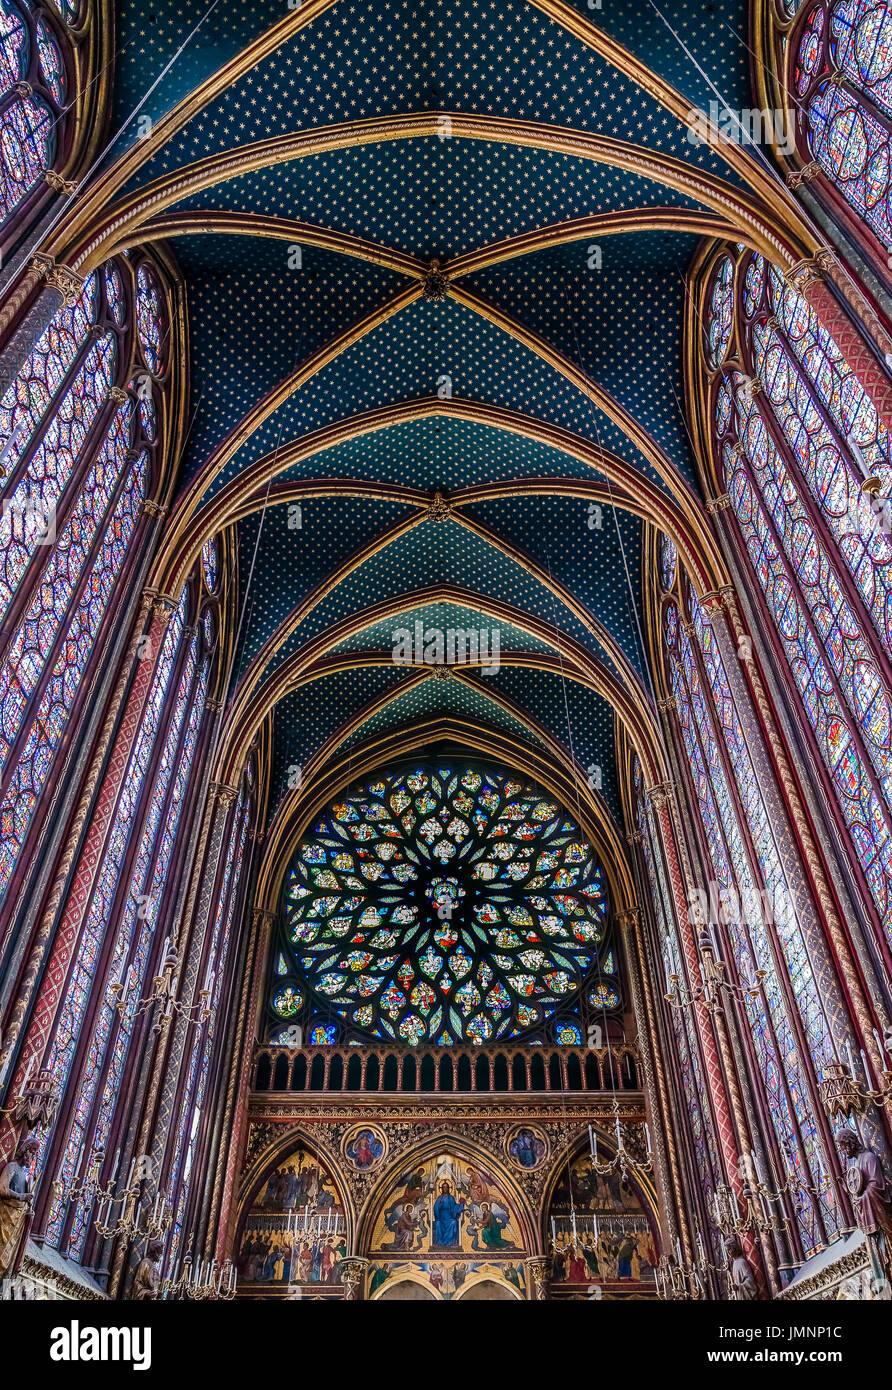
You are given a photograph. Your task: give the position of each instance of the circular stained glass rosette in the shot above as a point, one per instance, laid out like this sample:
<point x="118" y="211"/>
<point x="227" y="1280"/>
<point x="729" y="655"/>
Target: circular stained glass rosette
<point x="445" y="904"/>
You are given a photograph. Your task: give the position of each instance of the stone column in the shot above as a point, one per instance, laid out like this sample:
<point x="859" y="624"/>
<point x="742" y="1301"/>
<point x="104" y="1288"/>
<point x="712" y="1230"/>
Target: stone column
<point x="772" y="768"/>
<point x="808" y="278"/>
<point x="249" y="1011"/>
<point x="720" y="1073"/>
<point x="665" y="1158"/>
<point x="59" y="285"/>
<point x="216" y="816"/>
<point x="158" y="1112"/>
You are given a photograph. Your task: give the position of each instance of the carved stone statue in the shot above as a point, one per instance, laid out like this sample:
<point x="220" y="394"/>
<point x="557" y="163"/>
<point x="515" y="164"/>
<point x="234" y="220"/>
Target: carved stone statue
<point x="871" y="1198"/>
<point x="16" y="1193"/>
<point x="743" y="1281"/>
<point x="147" y="1280"/>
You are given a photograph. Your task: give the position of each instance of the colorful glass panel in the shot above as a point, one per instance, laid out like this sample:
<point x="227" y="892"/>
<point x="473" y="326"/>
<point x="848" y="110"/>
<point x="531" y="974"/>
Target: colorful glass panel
<point x="452" y="884"/>
<point x="28" y="525"/>
<point x="209" y="564"/>
<point x="136" y="930"/>
<point x="693" y="1084"/>
<point x="843" y="77"/>
<point x="745" y="915"/>
<point x="202" y="1050"/>
<point x="721" y="309"/>
<point x="27" y="124"/>
<point x="151" y="321"/>
<point x="668" y="561"/>
<point x="36" y="644"/>
<point x="83" y="971"/>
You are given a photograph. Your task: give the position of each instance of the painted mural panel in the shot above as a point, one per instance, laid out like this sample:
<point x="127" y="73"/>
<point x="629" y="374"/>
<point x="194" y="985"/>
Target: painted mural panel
<point x="447" y="1223"/>
<point x="599" y="1230"/>
<point x="295" y="1230"/>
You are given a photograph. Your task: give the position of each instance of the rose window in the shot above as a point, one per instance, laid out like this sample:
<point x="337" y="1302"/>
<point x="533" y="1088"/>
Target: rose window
<point x="444" y="904"/>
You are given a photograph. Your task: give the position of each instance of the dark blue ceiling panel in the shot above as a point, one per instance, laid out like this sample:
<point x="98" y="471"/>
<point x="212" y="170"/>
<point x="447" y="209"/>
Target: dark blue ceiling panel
<point x="615" y="307"/>
<point x="492" y="57"/>
<point x="253" y="320"/>
<point x="448" y="553"/>
<point x="431" y="350"/>
<point x="390" y="193"/>
<point x="300" y="545"/>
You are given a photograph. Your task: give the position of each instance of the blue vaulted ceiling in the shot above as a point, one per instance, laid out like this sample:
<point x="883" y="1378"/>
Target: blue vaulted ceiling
<point x="611" y="303"/>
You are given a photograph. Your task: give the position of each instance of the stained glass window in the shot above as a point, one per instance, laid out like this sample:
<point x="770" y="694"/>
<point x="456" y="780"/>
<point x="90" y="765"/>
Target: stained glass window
<point x="445" y="903"/>
<point x="755" y="904"/>
<point x="32" y="103"/>
<point x="151" y="319"/>
<point x="209" y="565"/>
<point x="72" y="505"/>
<point x="794" y="455"/>
<point x="842" y="83"/>
<point x="177" y="722"/>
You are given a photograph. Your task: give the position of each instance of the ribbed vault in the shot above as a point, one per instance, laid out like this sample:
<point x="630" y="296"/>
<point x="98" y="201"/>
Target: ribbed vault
<point x="436" y="309"/>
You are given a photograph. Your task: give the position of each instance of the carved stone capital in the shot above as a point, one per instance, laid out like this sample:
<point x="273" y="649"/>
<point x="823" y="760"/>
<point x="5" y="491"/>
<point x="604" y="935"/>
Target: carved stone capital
<point x="261" y="915"/>
<point x="162" y="606"/>
<point x="629" y="917"/>
<point x="538" y="1268"/>
<point x="213" y="706"/>
<point x="42" y="263"/>
<point x="720" y="503"/>
<point x="57" y="182"/>
<point x="117" y="395"/>
<point x="150" y="508"/>
<point x="660" y="793"/>
<point x="804" y="175"/>
<point x="225" y="795"/>
<point x="809" y="270"/>
<point x="667" y="706"/>
<point x="59" y="277"/>
<point x="717" y="600"/>
<point x="352" y="1271"/>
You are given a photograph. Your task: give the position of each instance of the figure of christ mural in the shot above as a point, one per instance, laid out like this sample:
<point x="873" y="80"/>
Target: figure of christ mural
<point x="448" y="1214"/>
